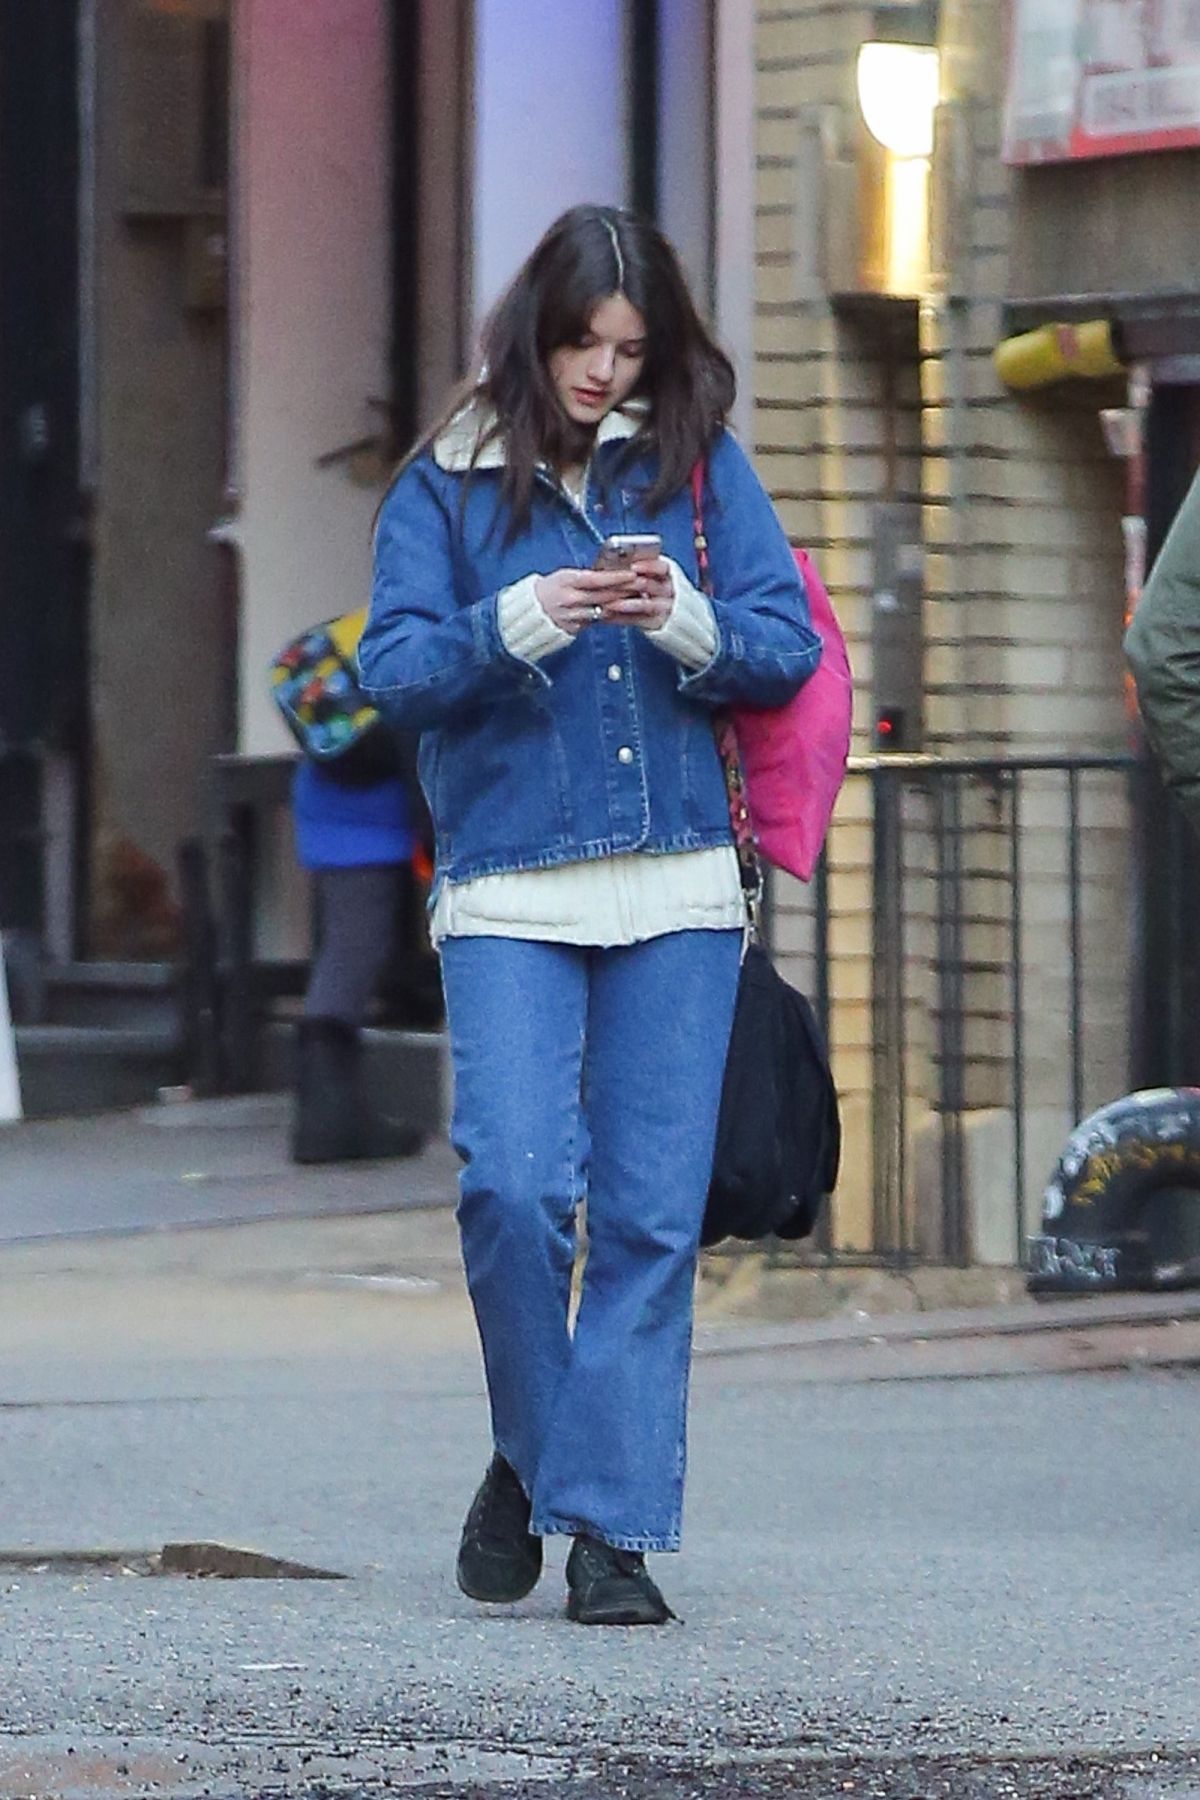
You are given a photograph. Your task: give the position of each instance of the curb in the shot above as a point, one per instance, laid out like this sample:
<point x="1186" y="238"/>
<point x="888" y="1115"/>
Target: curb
<point x="1034" y="1318"/>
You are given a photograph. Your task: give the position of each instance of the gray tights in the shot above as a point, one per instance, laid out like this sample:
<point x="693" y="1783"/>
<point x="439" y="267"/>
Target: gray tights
<point x="357" y="915"/>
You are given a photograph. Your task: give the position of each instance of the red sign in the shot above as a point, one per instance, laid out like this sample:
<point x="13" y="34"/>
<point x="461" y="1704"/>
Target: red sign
<point x="1102" y="78"/>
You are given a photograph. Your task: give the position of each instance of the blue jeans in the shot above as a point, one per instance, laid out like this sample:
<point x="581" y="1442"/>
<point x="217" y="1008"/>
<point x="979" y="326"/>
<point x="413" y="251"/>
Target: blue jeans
<point x="590" y="1072"/>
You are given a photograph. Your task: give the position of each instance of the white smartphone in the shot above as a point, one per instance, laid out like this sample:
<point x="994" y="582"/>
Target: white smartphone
<point x="625" y="548"/>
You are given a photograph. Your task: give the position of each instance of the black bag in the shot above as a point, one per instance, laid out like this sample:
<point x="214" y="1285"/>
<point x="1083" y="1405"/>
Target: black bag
<point x="779" y="1134"/>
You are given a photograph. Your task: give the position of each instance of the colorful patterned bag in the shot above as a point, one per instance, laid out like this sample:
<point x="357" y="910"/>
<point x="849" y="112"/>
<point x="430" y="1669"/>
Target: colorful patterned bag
<point x="314" y="683"/>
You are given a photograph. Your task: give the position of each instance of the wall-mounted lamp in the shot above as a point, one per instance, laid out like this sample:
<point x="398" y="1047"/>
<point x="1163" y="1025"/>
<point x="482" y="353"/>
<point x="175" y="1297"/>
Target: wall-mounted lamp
<point x="898" y="94"/>
<point x="898" y="80"/>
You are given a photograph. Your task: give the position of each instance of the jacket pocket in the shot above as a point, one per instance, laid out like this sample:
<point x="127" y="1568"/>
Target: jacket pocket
<point x="502" y="786"/>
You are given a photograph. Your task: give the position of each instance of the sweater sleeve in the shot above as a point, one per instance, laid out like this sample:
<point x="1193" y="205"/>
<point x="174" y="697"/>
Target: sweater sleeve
<point x="525" y="625"/>
<point x="690" y="631"/>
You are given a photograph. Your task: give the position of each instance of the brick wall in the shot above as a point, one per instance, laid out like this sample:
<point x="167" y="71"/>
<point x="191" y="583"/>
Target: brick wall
<point x="1025" y="571"/>
<point x="1025" y="589"/>
<point x="1021" y="510"/>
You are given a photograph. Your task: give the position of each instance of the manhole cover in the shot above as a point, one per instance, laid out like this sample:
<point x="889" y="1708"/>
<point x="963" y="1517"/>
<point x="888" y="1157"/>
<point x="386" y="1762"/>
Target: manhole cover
<point x="201" y="1561"/>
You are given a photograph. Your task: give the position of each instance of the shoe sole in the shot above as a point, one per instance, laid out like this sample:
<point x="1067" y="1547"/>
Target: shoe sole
<point x="617" y="1616"/>
<point x="494" y="1596"/>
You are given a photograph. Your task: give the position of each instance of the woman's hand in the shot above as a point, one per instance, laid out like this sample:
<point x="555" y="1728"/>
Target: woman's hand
<point x="574" y="598"/>
<point x="652" y="603"/>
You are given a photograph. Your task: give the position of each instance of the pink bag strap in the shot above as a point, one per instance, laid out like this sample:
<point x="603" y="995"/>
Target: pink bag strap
<point x="749" y="866"/>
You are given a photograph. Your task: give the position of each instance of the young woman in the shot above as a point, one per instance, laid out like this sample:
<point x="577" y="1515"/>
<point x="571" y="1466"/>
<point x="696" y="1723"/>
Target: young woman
<point x="587" y="904"/>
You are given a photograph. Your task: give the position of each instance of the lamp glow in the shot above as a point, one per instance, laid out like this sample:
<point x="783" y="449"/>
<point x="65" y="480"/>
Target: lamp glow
<point x="898" y="93"/>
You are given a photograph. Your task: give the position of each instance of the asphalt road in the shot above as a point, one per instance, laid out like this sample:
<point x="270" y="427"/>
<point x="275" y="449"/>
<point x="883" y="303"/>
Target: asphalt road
<point x="970" y="1585"/>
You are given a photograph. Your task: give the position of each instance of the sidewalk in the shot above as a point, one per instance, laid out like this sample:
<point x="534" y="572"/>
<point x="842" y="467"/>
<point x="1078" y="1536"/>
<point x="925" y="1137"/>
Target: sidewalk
<point x="201" y="1162"/>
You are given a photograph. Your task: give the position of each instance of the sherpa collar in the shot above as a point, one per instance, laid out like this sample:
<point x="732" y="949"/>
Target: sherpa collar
<point x="454" y="448"/>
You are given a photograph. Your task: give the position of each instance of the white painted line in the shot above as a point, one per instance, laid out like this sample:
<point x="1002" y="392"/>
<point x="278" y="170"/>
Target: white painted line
<point x="384" y="1284"/>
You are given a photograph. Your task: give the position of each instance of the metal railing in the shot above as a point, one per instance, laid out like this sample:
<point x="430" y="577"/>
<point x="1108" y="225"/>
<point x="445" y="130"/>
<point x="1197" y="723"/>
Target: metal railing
<point x="969" y="944"/>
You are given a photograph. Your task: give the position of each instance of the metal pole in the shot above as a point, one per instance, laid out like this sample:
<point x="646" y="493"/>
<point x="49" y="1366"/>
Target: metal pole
<point x="821" y="927"/>
<point x="823" y="1236"/>
<point x="888" y="1051"/>
<point x="1076" y="952"/>
<point x="10" y="1081"/>
<point x="1017" y="1001"/>
<point x="951" y="1023"/>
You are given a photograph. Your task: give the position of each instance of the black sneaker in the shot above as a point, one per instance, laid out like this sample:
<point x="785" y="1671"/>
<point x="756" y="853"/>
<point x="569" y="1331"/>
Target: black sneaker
<point x="498" y="1559"/>
<point x="611" y="1587"/>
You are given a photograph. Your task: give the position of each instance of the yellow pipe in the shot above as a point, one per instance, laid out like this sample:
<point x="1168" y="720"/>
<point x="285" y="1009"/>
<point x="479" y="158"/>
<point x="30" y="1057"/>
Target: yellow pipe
<point x="1055" y="352"/>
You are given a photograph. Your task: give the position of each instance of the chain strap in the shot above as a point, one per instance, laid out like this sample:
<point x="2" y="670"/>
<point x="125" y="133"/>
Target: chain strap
<point x="749" y="866"/>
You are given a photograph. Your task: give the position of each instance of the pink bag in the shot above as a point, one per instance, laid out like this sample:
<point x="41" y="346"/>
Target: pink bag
<point x="793" y="757"/>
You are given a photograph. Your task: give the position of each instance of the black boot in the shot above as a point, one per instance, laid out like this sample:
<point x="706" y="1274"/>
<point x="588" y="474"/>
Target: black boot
<point x="611" y="1587"/>
<point x="333" y="1120"/>
<point x="499" y="1560"/>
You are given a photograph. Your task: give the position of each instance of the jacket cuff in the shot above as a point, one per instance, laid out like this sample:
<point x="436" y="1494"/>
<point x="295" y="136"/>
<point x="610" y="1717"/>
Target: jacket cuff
<point x="526" y="629"/>
<point x="690" y="632"/>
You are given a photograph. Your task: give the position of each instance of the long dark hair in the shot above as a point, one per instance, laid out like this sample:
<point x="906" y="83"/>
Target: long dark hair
<point x="588" y="254"/>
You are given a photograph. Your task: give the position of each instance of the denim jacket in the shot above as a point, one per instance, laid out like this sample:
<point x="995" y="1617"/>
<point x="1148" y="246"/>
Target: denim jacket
<point x="601" y="747"/>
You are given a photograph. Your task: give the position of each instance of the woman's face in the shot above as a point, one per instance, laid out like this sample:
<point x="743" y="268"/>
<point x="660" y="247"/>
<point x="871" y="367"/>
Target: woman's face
<point x="597" y="374"/>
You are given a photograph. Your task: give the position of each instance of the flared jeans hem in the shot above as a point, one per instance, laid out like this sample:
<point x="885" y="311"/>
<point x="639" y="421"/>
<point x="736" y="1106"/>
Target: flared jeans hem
<point x="552" y="1527"/>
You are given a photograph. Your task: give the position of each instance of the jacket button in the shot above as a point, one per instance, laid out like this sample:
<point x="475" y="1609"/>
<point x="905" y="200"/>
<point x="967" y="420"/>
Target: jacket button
<point x="625" y="754"/>
<point x="614" y="671"/>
